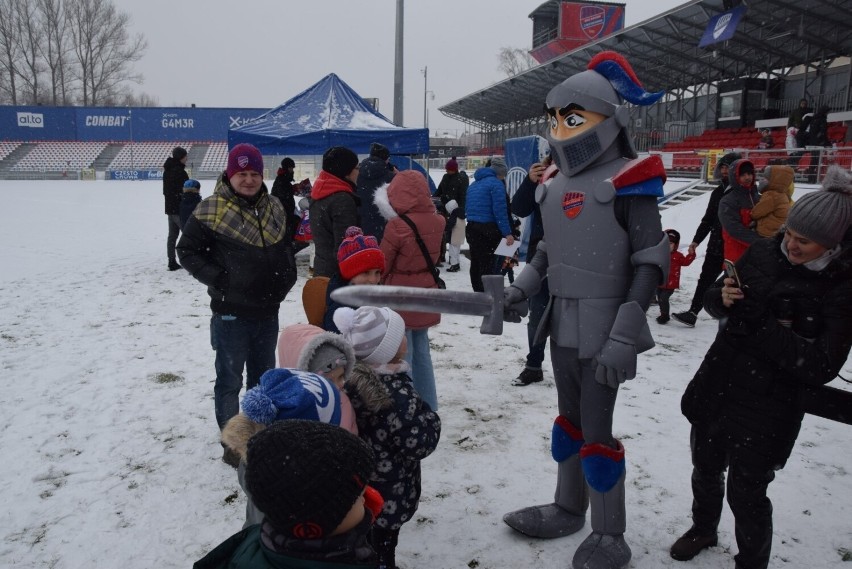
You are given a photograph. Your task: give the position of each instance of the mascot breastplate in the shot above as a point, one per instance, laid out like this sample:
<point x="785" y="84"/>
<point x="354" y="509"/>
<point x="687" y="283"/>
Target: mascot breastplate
<point x="587" y="250"/>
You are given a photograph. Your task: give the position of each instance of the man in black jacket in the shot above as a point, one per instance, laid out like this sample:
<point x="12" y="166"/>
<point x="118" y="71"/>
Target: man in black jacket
<point x="174" y="175"/>
<point x="236" y="243"/>
<point x="714" y="255"/>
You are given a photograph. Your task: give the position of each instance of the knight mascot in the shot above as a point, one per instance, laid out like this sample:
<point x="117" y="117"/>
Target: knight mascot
<point x="603" y="254"/>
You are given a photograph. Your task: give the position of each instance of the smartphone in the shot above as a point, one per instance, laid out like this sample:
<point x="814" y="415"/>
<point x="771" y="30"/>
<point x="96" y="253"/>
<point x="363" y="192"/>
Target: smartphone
<point x="731" y="271"/>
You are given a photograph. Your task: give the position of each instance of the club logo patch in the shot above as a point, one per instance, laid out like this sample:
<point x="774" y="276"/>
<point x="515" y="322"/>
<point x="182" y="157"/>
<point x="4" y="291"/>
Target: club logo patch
<point x="592" y="20"/>
<point x="572" y="204"/>
<point x="243" y="161"/>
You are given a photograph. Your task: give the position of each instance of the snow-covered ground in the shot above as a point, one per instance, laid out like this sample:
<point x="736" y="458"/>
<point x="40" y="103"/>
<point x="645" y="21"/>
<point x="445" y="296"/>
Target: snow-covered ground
<point x="110" y="452"/>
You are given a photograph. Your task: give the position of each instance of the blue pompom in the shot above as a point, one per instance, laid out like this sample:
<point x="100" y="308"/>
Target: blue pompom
<point x="258" y="407"/>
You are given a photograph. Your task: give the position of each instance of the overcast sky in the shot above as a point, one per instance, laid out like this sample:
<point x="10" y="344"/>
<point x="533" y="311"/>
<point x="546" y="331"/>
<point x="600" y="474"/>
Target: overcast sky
<point x="259" y="53"/>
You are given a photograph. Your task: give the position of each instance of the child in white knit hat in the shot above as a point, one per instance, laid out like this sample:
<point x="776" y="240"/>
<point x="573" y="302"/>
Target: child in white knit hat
<point x="398" y="425"/>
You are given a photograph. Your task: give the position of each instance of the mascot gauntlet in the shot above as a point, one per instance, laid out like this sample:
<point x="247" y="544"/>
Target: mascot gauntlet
<point x="515" y="296"/>
<point x="617" y="358"/>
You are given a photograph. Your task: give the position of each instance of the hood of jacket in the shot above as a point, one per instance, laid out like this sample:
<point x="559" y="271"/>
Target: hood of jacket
<point x="366" y="384"/>
<point x="778" y="178"/>
<point x="734" y="174"/>
<point x="407" y="193"/>
<point x="327" y="184"/>
<point x="484" y="172"/>
<point x="373" y="168"/>
<point x="237" y="432"/>
<point x="298" y="343"/>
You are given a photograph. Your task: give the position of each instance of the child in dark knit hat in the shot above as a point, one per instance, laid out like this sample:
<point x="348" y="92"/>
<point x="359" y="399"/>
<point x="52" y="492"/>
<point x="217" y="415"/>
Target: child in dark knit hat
<point x="360" y="261"/>
<point x="189" y="199"/>
<point x="282" y="394"/>
<point x="311" y="480"/>
<point x="399" y="426"/>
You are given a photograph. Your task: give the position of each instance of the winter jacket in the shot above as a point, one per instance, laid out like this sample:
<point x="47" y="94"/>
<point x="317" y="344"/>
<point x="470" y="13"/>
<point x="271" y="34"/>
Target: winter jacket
<point x="677" y="261"/>
<point x="374" y="172"/>
<point x="282" y="188"/>
<point x="188" y="200"/>
<point x="405" y="265"/>
<point x="486" y="200"/>
<point x="245" y="550"/>
<point x="750" y="379"/>
<point x="771" y="211"/>
<point x="735" y="214"/>
<point x="818" y="129"/>
<point x="710" y="224"/>
<point x="240" y="251"/>
<point x="174" y="175"/>
<point x="400" y="428"/>
<point x="453" y="186"/>
<point x="334" y="283"/>
<point x="523" y="204"/>
<point x="333" y="210"/>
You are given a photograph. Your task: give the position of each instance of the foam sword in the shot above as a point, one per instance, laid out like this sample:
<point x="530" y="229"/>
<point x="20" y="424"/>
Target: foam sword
<point x="488" y="304"/>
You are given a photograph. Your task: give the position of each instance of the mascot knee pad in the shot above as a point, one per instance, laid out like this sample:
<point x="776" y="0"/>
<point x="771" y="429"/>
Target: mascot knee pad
<point x="603" y="466"/>
<point x="566" y="440"/>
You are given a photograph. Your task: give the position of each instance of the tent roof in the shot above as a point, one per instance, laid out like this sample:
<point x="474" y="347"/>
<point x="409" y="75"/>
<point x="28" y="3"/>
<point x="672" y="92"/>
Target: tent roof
<point x="329" y="113"/>
<point x="773" y="35"/>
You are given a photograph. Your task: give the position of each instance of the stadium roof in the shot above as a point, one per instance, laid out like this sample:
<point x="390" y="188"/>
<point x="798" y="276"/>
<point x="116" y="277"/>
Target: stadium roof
<point x="772" y="37"/>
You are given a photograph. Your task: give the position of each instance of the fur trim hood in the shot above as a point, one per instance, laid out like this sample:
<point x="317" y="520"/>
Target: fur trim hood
<point x="237" y="432"/>
<point x="407" y="193"/>
<point x="366" y="384"/>
<point x="298" y="343"/>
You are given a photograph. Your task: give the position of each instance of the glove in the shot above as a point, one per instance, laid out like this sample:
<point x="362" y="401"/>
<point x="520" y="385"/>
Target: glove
<point x="515" y="305"/>
<point x="617" y="358"/>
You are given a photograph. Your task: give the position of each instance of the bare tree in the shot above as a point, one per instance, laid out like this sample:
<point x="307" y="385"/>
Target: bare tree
<point x="56" y="49"/>
<point x="103" y="48"/>
<point x="10" y="48"/>
<point x="514" y="60"/>
<point x="31" y="34"/>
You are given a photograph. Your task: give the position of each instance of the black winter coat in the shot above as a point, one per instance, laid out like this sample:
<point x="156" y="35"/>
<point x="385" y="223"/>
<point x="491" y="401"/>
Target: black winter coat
<point x="174" y="175"/>
<point x="710" y="224"/>
<point x="453" y="186"/>
<point x="373" y="174"/>
<point x="282" y="188"/>
<point x="750" y="380"/>
<point x="240" y="251"/>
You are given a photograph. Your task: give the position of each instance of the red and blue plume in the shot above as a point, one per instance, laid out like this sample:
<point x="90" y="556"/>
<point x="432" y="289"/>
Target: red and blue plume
<point x="623" y="79"/>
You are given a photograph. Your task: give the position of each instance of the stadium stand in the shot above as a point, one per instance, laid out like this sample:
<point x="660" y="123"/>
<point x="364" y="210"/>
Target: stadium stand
<point x="146" y="155"/>
<point x="216" y="158"/>
<point x="58" y="156"/>
<point x="6" y="148"/>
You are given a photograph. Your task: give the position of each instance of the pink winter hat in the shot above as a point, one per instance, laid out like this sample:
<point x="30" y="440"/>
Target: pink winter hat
<point x="244" y="157"/>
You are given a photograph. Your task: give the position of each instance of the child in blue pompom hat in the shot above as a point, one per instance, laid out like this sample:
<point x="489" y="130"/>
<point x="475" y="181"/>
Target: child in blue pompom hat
<point x="281" y="394"/>
<point x="189" y="199"/>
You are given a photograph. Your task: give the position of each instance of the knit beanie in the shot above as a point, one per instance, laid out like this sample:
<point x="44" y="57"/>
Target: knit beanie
<point x="292" y="394"/>
<point x="244" y="157"/>
<point x="358" y="253"/>
<point x="674" y="236"/>
<point x="192" y="185"/>
<point x="725" y="160"/>
<point x="499" y="166"/>
<point x="305" y="476"/>
<point x="824" y="215"/>
<point x="288" y="163"/>
<point x="178" y="152"/>
<point x="380" y="151"/>
<point x="339" y="161"/>
<point x="375" y="333"/>
<point x="452" y="165"/>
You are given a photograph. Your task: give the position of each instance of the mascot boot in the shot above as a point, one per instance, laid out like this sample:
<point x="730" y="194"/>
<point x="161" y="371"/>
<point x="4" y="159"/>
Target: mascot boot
<point x="605" y="547"/>
<point x="567" y="513"/>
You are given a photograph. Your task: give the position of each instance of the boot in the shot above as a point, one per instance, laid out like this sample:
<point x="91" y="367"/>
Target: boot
<point x="605" y="547"/>
<point x="565" y="516"/>
<point x="689" y="318"/>
<point x="454" y="268"/>
<point x="173" y="266"/>
<point x="662" y="319"/>
<point x="529" y="376"/>
<point x="692" y="543"/>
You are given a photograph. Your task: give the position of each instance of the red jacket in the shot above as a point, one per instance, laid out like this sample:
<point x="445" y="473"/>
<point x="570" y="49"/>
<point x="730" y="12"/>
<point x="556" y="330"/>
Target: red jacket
<point x="678" y="260"/>
<point x="408" y="193"/>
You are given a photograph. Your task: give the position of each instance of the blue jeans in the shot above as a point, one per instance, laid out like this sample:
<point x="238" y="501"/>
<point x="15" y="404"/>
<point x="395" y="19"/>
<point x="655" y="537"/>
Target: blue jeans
<point x="239" y="343"/>
<point x="419" y="357"/>
<point x="538" y="302"/>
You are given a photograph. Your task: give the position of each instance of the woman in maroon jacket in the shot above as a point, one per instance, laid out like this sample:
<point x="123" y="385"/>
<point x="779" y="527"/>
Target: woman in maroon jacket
<point x="405" y="265"/>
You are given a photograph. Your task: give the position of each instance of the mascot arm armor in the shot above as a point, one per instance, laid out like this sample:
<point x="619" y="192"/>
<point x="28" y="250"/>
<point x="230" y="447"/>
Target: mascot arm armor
<point x="651" y="266"/>
<point x="529" y="280"/>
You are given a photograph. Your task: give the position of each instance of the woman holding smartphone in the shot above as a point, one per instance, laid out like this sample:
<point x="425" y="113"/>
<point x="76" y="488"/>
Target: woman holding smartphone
<point x="789" y="325"/>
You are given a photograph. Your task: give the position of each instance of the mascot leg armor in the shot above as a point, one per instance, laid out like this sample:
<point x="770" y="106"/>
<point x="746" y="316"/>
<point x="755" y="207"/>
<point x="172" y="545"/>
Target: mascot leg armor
<point x="567" y="513"/>
<point x="605" y="547"/>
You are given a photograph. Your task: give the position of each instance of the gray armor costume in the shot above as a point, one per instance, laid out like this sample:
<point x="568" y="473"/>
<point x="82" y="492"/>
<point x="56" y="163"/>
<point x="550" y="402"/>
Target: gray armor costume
<point x="604" y="253"/>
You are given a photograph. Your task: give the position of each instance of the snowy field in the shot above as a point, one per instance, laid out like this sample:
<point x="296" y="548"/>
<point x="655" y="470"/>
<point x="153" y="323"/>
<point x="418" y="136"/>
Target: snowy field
<point x="110" y="449"/>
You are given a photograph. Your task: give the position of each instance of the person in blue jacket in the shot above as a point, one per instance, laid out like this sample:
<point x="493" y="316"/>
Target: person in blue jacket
<point x="487" y="219"/>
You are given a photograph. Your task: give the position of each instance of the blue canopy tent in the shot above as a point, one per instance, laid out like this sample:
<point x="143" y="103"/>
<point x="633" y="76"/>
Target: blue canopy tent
<point x="329" y="113"/>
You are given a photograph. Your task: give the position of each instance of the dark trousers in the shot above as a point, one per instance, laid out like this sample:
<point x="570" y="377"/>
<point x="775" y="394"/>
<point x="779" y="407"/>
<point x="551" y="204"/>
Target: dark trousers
<point x="748" y="480"/>
<point x="663" y="296"/>
<point x="710" y="271"/>
<point x="538" y="302"/>
<point x="384" y="543"/>
<point x="482" y="238"/>
<point x="239" y="344"/>
<point x="174" y="231"/>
